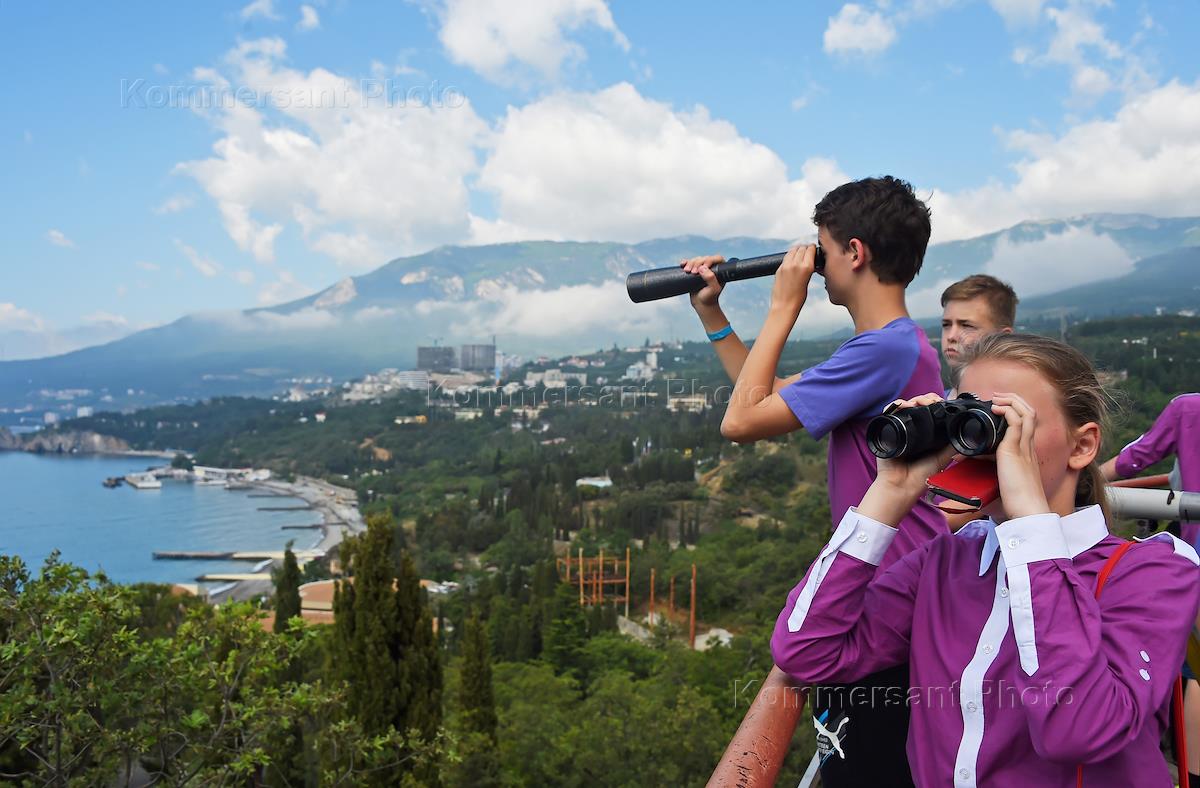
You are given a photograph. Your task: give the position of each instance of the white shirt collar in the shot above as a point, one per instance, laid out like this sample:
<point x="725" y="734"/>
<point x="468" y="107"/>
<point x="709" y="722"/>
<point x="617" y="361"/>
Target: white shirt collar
<point x="1083" y="529"/>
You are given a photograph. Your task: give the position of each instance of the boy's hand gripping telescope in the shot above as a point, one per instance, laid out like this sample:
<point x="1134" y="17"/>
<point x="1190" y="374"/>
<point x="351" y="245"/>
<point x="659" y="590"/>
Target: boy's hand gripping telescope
<point x="671" y="281"/>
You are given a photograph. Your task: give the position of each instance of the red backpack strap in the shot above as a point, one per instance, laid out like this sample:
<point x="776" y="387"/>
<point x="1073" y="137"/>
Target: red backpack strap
<point x="1110" y="564"/>
<point x="1177" y="694"/>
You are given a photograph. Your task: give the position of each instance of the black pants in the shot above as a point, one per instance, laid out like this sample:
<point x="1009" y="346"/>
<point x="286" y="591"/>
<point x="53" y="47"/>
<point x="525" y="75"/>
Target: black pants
<point x="862" y="729"/>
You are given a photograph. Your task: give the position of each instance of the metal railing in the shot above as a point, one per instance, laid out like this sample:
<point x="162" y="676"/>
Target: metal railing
<point x="755" y="753"/>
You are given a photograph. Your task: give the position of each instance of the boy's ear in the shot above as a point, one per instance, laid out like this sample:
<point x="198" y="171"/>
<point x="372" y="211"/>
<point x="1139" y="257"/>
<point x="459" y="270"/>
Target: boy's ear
<point x="1087" y="446"/>
<point x="860" y="253"/>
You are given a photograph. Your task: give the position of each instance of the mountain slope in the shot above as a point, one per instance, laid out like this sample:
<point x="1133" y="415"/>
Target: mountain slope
<point x="555" y="298"/>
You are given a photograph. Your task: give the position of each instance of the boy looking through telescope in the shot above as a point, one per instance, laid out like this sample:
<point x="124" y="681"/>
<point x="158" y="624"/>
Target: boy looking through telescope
<point x="874" y="233"/>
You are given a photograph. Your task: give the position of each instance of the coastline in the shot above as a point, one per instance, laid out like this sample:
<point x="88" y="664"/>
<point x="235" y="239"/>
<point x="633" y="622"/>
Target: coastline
<point x="340" y="517"/>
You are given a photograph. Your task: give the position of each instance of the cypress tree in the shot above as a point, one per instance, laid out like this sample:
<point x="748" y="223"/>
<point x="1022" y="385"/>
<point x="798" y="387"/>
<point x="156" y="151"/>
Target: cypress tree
<point x="420" y="663"/>
<point x="476" y="697"/>
<point x="287" y="759"/>
<point x="287" y="591"/>
<point x="383" y="640"/>
<point x="479" y="764"/>
<point x="565" y="632"/>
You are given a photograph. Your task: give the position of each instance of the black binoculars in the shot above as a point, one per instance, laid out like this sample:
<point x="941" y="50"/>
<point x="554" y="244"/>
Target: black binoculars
<point x="967" y="423"/>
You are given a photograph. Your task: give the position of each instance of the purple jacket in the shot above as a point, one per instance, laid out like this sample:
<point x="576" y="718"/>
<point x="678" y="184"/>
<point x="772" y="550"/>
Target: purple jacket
<point x="1018" y="672"/>
<point x="1175" y="431"/>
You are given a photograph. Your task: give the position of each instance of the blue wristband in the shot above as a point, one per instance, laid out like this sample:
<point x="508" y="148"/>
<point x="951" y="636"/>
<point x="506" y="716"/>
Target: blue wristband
<point x="713" y="336"/>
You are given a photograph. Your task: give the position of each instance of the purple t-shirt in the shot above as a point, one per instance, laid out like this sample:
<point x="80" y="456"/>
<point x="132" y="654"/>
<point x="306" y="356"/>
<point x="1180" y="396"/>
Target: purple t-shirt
<point x="1175" y="431"/>
<point x="839" y="396"/>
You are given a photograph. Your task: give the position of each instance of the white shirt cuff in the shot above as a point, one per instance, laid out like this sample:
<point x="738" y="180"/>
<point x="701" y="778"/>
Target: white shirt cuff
<point x="856" y="535"/>
<point x="1037" y="537"/>
<point x="867" y="540"/>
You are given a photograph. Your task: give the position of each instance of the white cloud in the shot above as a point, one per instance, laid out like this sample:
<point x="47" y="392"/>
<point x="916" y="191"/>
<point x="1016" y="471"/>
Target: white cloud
<point x="498" y="39"/>
<point x="309" y="19"/>
<point x="13" y="317"/>
<point x="58" y="238"/>
<point x="248" y="234"/>
<point x="927" y="301"/>
<point x="160" y="69"/>
<point x="283" y="288"/>
<point x="173" y="204"/>
<point x="1145" y="159"/>
<point x="1091" y="81"/>
<point x="855" y="29"/>
<point x="1018" y="13"/>
<point x="1080" y="43"/>
<point x="1076" y="256"/>
<point x="204" y="265"/>
<point x="263" y="8"/>
<point x="244" y="277"/>
<point x="616" y="166"/>
<point x="102" y="317"/>
<point x="28" y="137"/>
<point x="147" y="266"/>
<point x="306" y="319"/>
<point x="24" y="334"/>
<point x="365" y="179"/>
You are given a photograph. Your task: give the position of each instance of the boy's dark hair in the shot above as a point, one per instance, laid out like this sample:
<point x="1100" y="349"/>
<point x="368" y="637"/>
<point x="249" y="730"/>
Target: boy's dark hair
<point x="885" y="214"/>
<point x="1000" y="297"/>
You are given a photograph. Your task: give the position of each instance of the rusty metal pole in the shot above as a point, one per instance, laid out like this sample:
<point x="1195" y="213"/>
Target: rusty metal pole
<point x="600" y="579"/>
<point x="692" y="626"/>
<point x="568" y="567"/>
<point x="626" y="582"/>
<point x="651" y="596"/>
<point x="755" y="753"/>
<point x="581" y="577"/>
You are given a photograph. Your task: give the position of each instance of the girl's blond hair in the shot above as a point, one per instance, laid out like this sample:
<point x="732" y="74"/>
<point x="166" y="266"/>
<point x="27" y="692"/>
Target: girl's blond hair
<point x="1080" y="393"/>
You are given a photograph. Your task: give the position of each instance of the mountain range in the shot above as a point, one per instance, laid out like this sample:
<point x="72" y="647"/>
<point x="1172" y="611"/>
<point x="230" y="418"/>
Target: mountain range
<point x="543" y="297"/>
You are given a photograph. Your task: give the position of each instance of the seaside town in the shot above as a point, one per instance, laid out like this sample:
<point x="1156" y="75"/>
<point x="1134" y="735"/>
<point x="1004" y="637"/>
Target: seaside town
<point x="469" y="394"/>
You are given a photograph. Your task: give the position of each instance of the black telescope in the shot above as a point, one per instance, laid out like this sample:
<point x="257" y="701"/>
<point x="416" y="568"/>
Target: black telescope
<point x="672" y="281"/>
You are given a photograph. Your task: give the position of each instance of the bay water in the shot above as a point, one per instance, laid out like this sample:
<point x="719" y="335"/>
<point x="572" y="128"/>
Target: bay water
<point x="52" y="502"/>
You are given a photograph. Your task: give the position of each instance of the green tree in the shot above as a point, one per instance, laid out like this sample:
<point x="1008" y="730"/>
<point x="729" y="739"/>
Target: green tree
<point x="287" y="591"/>
<point x="84" y="700"/>
<point x="566" y="632"/>
<point x="479" y="764"/>
<point x="384" y="647"/>
<point x="476" y="700"/>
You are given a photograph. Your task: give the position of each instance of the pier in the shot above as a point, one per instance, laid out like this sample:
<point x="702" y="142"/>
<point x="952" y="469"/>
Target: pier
<point x="304" y="508"/>
<point x="233" y="577"/>
<point x="234" y="555"/>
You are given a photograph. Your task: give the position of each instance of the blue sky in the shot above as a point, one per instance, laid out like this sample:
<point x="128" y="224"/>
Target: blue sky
<point x="128" y="203"/>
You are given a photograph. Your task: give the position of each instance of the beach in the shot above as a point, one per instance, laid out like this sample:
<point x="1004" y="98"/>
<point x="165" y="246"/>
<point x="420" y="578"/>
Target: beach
<point x="338" y="507"/>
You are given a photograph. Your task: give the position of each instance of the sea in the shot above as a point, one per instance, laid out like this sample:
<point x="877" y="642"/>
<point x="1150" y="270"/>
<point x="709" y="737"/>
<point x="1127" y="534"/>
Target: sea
<point x="51" y="502"/>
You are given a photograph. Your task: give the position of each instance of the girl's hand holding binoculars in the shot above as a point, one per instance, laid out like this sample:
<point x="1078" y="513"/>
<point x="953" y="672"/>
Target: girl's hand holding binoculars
<point x="1017" y="463"/>
<point x="898" y="484"/>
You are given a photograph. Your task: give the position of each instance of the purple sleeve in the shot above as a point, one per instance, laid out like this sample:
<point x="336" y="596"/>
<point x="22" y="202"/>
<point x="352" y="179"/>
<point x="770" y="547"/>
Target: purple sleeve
<point x="1103" y="668"/>
<point x="860" y="379"/>
<point x="839" y="624"/>
<point x="1158" y="442"/>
